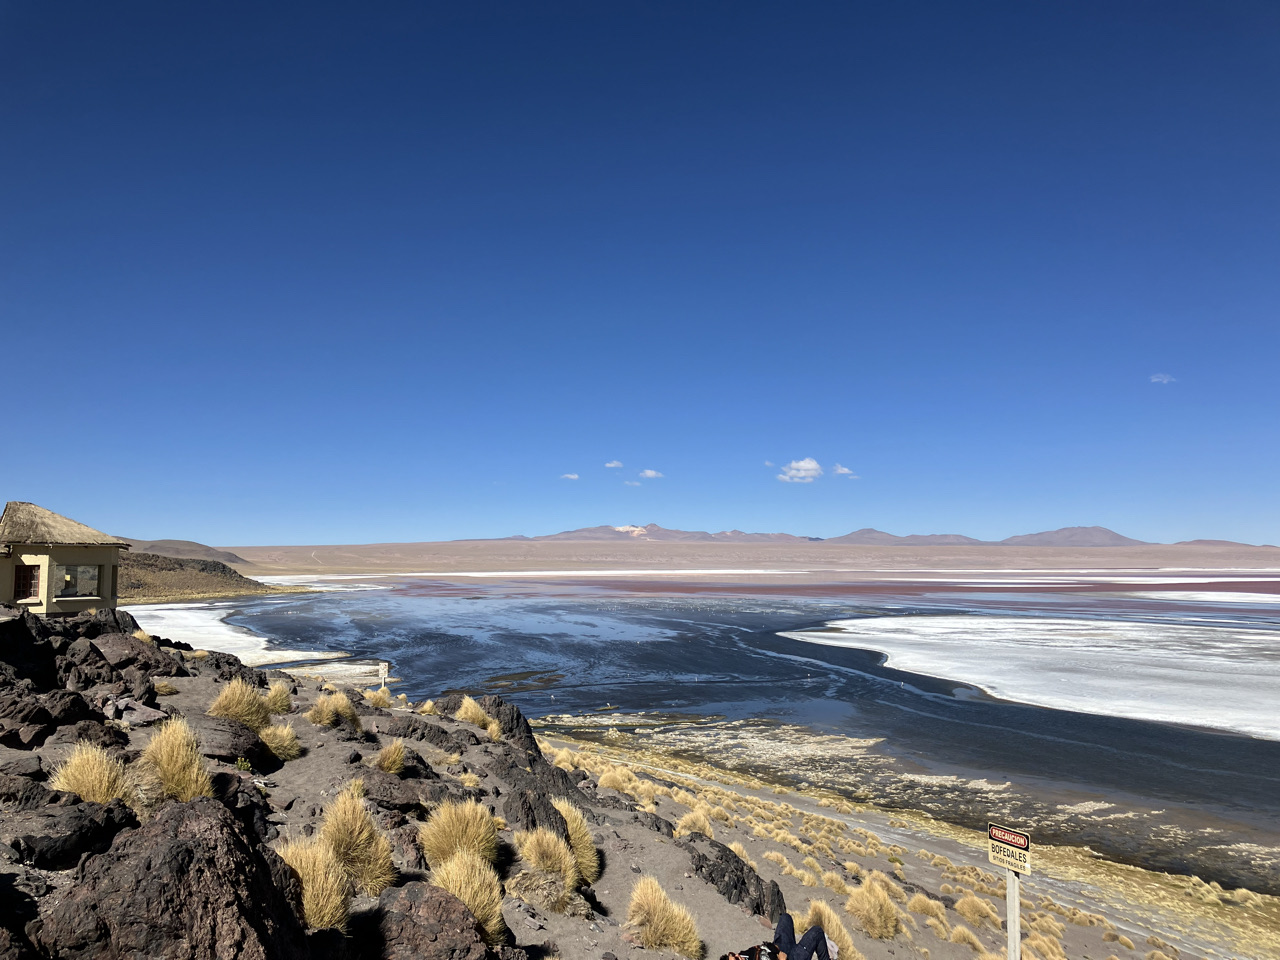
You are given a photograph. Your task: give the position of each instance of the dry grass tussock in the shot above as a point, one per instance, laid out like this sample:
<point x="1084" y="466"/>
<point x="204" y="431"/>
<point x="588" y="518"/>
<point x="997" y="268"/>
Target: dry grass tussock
<point x="962" y="934"/>
<point x="325" y="900"/>
<point x="695" y="821"/>
<point x="1113" y="937"/>
<point x="469" y="780"/>
<point x="173" y="758"/>
<point x="471" y="712"/>
<point x="362" y="852"/>
<point x="874" y="911"/>
<point x="426" y="708"/>
<point x="471" y="878"/>
<point x="240" y="701"/>
<point x="922" y="905"/>
<point x="660" y="923"/>
<point x="890" y="886"/>
<point x="1037" y="947"/>
<point x="94" y="775"/>
<point x="454" y="827"/>
<point x="380" y="698"/>
<point x="331" y="709"/>
<point x="580" y="840"/>
<point x="390" y="759"/>
<point x="142" y="635"/>
<point x="282" y="740"/>
<point x="164" y="688"/>
<point x="279" y="699"/>
<point x="977" y="911"/>
<point x="821" y="915"/>
<point x="741" y="853"/>
<point x="545" y="851"/>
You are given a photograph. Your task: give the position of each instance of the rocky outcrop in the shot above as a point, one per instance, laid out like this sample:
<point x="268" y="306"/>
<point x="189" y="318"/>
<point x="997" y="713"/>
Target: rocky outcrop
<point x="733" y="879"/>
<point x="414" y="728"/>
<point x="528" y="810"/>
<point x="56" y="837"/>
<point x="189" y="883"/>
<point x="230" y="740"/>
<point x="422" y="922"/>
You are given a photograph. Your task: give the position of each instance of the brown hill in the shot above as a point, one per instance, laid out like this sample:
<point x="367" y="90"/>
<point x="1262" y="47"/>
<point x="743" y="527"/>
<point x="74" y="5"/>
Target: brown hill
<point x="147" y="577"/>
<point x="184" y="549"/>
<point x="1073" y="537"/>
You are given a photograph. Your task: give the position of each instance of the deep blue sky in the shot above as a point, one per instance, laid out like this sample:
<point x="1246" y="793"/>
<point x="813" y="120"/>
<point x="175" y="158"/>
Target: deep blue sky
<point x="313" y="272"/>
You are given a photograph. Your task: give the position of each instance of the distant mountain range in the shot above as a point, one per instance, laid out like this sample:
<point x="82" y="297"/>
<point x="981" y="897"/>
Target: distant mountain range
<point x="1064" y="537"/>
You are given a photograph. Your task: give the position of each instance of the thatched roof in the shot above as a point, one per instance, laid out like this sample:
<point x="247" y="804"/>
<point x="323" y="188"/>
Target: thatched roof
<point x="28" y="523"/>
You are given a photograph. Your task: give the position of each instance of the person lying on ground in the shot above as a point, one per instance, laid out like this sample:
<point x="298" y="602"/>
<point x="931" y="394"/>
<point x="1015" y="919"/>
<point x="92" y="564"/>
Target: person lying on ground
<point x="783" y="946"/>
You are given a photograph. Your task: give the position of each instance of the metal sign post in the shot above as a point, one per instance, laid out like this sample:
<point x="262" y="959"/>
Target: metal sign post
<point x="1011" y="849"/>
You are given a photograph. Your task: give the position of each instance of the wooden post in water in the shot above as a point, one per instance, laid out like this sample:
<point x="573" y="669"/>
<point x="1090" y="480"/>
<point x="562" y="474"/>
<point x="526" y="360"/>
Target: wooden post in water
<point x="1013" y="913"/>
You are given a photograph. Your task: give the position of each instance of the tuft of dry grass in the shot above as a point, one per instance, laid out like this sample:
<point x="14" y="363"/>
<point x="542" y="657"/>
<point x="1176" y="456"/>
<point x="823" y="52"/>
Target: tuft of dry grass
<point x="325" y="900"/>
<point x="545" y="851"/>
<point x="142" y="635"/>
<point x="362" y="852"/>
<point x="871" y="907"/>
<point x="891" y="887"/>
<point x="962" y="934"/>
<point x="660" y="923"/>
<point x="741" y="853"/>
<point x="580" y="840"/>
<point x="390" y="759"/>
<point x="173" y="757"/>
<point x="471" y="878"/>
<point x="281" y="740"/>
<point x="380" y="698"/>
<point x="821" y="915"/>
<point x="922" y="905"/>
<point x="164" y="688"/>
<point x="426" y="708"/>
<point x="695" y="821"/>
<point x="94" y="775"/>
<point x="240" y="701"/>
<point x="196" y="654"/>
<point x="454" y="827"/>
<point x="977" y="911"/>
<point x="469" y="711"/>
<point x="469" y="779"/>
<point x="331" y="709"/>
<point x="279" y="699"/>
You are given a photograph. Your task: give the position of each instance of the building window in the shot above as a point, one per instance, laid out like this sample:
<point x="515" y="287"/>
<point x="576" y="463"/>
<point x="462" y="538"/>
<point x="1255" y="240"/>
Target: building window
<point x="26" y="582"/>
<point x="75" y="581"/>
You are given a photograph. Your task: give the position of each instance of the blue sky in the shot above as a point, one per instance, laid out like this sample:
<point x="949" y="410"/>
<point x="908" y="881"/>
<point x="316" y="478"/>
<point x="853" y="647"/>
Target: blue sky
<point x="381" y="272"/>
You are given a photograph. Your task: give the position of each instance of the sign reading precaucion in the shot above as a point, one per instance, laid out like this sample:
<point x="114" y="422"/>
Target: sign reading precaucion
<point x="1007" y="848"/>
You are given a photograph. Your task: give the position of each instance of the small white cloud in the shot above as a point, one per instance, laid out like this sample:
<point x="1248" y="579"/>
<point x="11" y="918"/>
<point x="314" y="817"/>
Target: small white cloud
<point x="632" y="483"/>
<point x="768" y="463"/>
<point x="650" y="474"/>
<point x="1162" y="378"/>
<point x="614" y="463"/>
<point x="801" y="471"/>
<point x="568" y="476"/>
<point x="844" y="472"/>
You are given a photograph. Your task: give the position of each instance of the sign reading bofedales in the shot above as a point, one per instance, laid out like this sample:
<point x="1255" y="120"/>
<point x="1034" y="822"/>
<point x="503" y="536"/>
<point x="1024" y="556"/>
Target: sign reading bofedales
<point x="1007" y="848"/>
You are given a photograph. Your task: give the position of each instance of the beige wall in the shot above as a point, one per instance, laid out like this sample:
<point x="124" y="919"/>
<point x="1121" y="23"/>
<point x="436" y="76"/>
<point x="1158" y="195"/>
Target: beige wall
<point x="107" y="559"/>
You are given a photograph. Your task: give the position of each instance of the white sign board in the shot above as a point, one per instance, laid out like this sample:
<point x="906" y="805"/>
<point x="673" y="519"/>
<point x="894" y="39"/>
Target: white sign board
<point x="1007" y="848"/>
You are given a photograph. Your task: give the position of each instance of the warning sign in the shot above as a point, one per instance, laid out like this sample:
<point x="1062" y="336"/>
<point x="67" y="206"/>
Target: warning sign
<point x="1007" y="848"/>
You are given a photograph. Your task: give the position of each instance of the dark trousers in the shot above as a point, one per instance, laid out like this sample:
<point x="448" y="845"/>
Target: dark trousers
<point x="812" y="944"/>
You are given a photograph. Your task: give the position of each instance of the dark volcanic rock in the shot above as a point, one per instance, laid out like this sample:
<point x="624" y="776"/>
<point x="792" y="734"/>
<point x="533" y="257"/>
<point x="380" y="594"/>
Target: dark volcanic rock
<point x="122" y="650"/>
<point x="54" y="838"/>
<point x="224" y="666"/>
<point x="17" y="907"/>
<point x="529" y="810"/>
<point x="31" y="766"/>
<point x="188" y="884"/>
<point x="735" y="881"/>
<point x="247" y="805"/>
<point x="229" y="740"/>
<point x="24" y="640"/>
<point x="25" y="794"/>
<point x="655" y="823"/>
<point x="515" y="728"/>
<point x="422" y="922"/>
<point x="413" y="728"/>
<point x="391" y="793"/>
<point x="65" y="707"/>
<point x="107" y="620"/>
<point x="93" y="731"/>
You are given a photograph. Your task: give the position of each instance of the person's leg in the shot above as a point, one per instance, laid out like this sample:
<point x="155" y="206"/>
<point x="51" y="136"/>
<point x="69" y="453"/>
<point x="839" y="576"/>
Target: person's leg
<point x="784" y="935"/>
<point x="812" y="944"/>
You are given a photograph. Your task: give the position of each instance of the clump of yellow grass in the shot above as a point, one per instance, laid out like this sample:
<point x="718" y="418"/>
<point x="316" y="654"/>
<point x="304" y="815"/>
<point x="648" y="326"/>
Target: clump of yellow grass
<point x="325" y="899"/>
<point x="660" y="923"/>
<point x="962" y="934"/>
<point x="870" y="905"/>
<point x="362" y="852"/>
<point x="331" y="709"/>
<point x="922" y="905"/>
<point x="390" y="759"/>
<point x="426" y="708"/>
<point x="821" y="915"/>
<point x="580" y="840"/>
<point x="469" y="711"/>
<point x="459" y="826"/>
<point x="173" y="758"/>
<point x="282" y="740"/>
<point x="977" y="911"/>
<point x="471" y="878"/>
<point x="164" y="688"/>
<point x="239" y="701"/>
<point x="741" y="853"/>
<point x="380" y="698"/>
<point x="546" y="851"/>
<point x="695" y="821"/>
<point x="94" y="775"/>
<point x="279" y="699"/>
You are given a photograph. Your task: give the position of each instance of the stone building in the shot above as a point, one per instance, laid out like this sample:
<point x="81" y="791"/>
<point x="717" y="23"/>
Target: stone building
<point x="52" y="565"/>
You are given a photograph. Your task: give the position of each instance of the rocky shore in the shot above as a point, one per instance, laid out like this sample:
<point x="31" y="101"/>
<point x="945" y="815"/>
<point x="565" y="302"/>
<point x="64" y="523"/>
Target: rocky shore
<point x="147" y="874"/>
